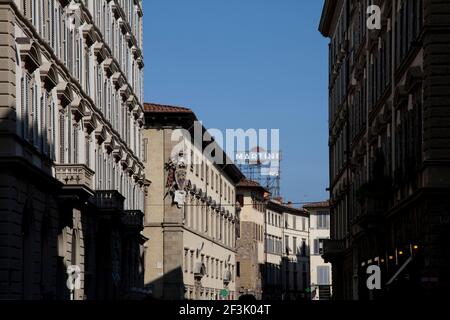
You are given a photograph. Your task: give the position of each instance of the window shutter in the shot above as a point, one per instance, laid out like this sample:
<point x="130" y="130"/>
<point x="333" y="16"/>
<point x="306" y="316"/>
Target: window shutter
<point x="75" y="143"/>
<point x="62" y="131"/>
<point x="36" y="116"/>
<point x="42" y="118"/>
<point x="316" y="246"/>
<point x="27" y="106"/>
<point x="23" y="104"/>
<point x="88" y="152"/>
<point x="69" y="137"/>
<point x="53" y="146"/>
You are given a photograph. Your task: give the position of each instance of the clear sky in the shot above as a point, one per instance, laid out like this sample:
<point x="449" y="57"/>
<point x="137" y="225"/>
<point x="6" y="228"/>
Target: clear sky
<point x="247" y="64"/>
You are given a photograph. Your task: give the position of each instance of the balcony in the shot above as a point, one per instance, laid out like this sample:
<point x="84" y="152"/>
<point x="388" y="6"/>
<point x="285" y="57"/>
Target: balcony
<point x="76" y="178"/>
<point x="333" y="249"/>
<point x="133" y="219"/>
<point x="109" y="200"/>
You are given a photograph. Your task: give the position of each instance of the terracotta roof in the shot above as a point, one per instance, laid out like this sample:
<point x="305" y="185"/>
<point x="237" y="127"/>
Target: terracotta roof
<point x="161" y="108"/>
<point x="286" y="207"/>
<point x="248" y="183"/>
<point x="312" y="205"/>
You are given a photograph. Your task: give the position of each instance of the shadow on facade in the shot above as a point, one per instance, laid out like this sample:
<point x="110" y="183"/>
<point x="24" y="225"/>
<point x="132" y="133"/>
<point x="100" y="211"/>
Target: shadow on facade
<point x="295" y="279"/>
<point x="51" y="218"/>
<point x="170" y="286"/>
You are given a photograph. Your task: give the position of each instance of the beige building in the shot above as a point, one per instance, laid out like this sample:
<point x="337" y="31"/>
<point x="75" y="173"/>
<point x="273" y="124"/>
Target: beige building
<point x="250" y="257"/>
<point x="71" y="180"/>
<point x="272" y="286"/>
<point x="295" y="260"/>
<point x="286" y="274"/>
<point x="190" y="217"/>
<point x="319" y="232"/>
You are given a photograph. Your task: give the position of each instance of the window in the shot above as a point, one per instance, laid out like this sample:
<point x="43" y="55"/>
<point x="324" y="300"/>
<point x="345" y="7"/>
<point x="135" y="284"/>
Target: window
<point x="286" y="244"/>
<point x="191" y="213"/>
<point x="207" y="219"/>
<point x="196" y="166"/>
<point x="203" y="171"/>
<point x="294" y="239"/>
<point x="191" y="265"/>
<point x="318" y="246"/>
<point x="323" y="275"/>
<point x="294" y="223"/>
<point x="217" y="269"/>
<point x="240" y="199"/>
<point x="303" y="249"/>
<point x="323" y="220"/>
<point x="186" y="261"/>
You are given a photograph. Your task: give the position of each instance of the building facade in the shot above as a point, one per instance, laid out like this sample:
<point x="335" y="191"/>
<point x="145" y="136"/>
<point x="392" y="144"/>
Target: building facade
<point x="389" y="147"/>
<point x="250" y="256"/>
<point x="190" y="215"/>
<point x="286" y="271"/>
<point x="272" y="278"/>
<point x="319" y="232"/>
<point x="71" y="180"/>
<point x="295" y="259"/>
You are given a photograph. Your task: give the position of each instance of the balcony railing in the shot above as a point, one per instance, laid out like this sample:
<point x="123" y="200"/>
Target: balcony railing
<point x="75" y="176"/>
<point x="133" y="219"/>
<point x="109" y="200"/>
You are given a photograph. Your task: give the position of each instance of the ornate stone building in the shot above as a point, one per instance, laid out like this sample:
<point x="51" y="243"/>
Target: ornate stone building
<point x="190" y="217"/>
<point x="71" y="179"/>
<point x="389" y="147"/>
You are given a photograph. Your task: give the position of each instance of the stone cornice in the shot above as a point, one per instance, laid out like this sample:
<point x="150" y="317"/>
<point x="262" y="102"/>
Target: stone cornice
<point x="75" y="86"/>
<point x="326" y="19"/>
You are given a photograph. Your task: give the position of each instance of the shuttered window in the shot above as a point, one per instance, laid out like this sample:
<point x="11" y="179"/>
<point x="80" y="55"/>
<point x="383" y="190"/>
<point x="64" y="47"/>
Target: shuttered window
<point x="62" y="137"/>
<point x="323" y="276"/>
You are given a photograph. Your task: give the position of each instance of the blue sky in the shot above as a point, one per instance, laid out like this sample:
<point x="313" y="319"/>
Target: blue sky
<point x="247" y="64"/>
